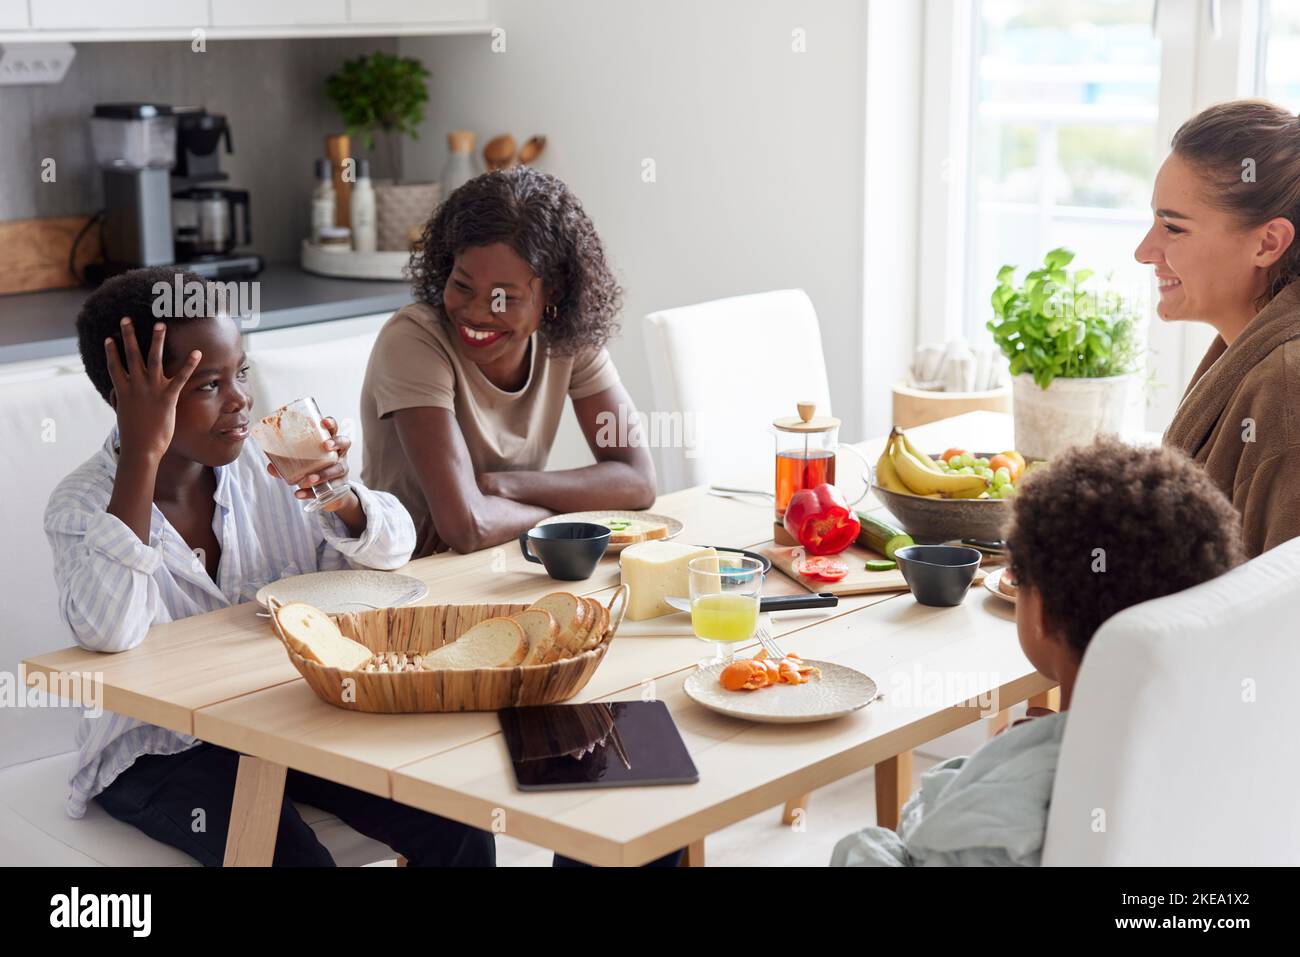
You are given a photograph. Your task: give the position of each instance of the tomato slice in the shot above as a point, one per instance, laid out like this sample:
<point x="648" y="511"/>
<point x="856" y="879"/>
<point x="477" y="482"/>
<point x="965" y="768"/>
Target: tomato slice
<point x="823" y="568"/>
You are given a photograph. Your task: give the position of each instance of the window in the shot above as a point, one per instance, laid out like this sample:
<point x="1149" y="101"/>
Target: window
<point x="1044" y="124"/>
<point x="1278" y="78"/>
<point x="1063" y="139"/>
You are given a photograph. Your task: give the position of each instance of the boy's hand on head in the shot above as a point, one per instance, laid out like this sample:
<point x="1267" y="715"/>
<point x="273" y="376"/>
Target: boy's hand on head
<point x="144" y="398"/>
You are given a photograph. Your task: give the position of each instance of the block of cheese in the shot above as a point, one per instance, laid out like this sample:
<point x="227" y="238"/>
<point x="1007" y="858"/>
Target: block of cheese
<point x="654" y="571"/>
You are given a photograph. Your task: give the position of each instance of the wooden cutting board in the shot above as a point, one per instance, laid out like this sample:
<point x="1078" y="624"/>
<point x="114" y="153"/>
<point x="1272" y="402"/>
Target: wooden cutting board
<point x="859" y="581"/>
<point x="35" y="253"/>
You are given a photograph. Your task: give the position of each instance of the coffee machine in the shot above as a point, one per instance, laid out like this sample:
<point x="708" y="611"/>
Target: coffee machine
<point x="158" y="164"/>
<point x="208" y="221"/>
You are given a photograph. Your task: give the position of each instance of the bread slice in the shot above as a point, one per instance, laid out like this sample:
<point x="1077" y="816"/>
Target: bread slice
<point x="579" y="641"/>
<point x="541" y="630"/>
<point x="597" y="633"/>
<point x="625" y="531"/>
<point x="571" y="615"/>
<point x="495" y="643"/>
<point x="591" y="637"/>
<point x="314" y="635"/>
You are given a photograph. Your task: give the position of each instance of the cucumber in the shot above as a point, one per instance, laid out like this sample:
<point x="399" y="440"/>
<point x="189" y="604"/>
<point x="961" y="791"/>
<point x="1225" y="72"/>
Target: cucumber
<point x="880" y="536"/>
<point x="881" y="564"/>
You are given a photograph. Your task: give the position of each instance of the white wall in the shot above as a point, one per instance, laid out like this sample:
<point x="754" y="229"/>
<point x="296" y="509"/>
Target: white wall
<point x="759" y="150"/>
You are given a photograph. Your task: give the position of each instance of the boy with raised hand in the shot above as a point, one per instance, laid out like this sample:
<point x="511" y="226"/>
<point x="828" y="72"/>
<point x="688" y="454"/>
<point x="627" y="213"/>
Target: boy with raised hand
<point x="1163" y="526"/>
<point x="178" y="515"/>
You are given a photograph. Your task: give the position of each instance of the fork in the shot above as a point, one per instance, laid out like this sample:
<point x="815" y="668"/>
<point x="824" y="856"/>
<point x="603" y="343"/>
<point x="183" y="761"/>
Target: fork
<point x="768" y="642"/>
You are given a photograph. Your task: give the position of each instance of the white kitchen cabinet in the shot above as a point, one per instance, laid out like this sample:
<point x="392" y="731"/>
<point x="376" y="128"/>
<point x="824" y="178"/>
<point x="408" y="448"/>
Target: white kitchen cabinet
<point x="13" y="15"/>
<point x="280" y="13"/>
<point x="419" y="11"/>
<point x="82" y="21"/>
<point x="137" y="14"/>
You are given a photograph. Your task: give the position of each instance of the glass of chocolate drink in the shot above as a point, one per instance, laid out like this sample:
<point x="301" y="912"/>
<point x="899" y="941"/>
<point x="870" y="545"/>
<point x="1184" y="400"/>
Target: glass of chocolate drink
<point x="293" y="438"/>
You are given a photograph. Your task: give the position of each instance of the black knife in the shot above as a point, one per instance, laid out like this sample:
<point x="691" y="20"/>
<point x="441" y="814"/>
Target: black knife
<point x="797" y="602"/>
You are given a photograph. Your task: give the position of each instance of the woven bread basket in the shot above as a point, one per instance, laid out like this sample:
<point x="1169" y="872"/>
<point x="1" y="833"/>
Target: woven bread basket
<point x="421" y="629"/>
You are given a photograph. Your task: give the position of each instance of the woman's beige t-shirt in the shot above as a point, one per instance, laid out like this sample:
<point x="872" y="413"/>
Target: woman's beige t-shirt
<point x="414" y="364"/>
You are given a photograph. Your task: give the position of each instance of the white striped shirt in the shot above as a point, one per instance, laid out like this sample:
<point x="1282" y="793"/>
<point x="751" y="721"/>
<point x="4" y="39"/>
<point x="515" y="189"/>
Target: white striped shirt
<point x="113" y="587"/>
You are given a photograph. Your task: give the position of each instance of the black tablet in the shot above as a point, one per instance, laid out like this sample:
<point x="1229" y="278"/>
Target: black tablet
<point x="605" y="745"/>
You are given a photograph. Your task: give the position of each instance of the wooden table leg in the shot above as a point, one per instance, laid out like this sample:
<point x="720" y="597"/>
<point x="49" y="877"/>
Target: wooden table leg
<point x="1048" y="699"/>
<point x="793" y="807"/>
<point x="255" y="813"/>
<point x="998" y="722"/>
<point x="694" y="856"/>
<point x="893" y="786"/>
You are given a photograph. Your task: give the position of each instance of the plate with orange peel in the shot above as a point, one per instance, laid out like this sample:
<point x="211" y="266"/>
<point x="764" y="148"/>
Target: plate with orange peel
<point x="788" y="691"/>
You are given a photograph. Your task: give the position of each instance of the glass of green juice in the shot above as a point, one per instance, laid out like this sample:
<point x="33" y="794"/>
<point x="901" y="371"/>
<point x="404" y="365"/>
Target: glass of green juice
<point x="725" y="592"/>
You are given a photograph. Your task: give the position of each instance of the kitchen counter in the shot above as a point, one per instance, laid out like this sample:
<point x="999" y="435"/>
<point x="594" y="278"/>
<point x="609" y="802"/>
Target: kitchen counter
<point x="39" y="325"/>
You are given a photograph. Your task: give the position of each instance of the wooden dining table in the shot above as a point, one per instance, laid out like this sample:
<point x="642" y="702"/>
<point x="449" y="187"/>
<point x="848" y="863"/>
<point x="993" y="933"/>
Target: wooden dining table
<point x="224" y="678"/>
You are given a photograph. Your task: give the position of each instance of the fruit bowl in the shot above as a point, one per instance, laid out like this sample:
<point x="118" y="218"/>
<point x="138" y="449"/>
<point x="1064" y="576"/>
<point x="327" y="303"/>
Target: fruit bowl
<point x="936" y="520"/>
<point x="932" y="521"/>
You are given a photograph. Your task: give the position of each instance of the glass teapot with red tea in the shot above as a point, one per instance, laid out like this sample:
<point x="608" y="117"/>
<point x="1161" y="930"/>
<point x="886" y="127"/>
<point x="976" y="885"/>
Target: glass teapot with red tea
<point x="806" y="445"/>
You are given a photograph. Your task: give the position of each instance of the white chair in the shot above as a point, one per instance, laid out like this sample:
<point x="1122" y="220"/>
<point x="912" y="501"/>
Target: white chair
<point x="1179" y="749"/>
<point x="731" y="366"/>
<point x="48" y="427"/>
<point x="331" y="372"/>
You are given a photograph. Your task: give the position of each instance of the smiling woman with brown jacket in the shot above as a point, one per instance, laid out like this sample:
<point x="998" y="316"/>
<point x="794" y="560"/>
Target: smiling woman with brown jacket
<point x="1223" y="244"/>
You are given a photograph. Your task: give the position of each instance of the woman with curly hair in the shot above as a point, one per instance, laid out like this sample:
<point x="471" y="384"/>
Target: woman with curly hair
<point x="1223" y="245"/>
<point x="465" y="387"/>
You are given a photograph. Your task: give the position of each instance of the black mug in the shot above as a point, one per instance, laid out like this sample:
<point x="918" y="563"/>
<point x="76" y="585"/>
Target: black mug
<point x="568" y="550"/>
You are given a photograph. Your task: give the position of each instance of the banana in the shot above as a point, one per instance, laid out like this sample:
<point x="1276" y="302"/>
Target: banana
<point x="923" y="481"/>
<point x="886" y="475"/>
<point x="921" y="457"/>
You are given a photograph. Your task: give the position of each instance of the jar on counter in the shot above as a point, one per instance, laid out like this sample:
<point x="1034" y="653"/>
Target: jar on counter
<point x="461" y="166"/>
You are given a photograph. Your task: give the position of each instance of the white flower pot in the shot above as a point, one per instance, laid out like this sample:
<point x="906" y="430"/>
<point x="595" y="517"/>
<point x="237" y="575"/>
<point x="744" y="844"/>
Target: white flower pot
<point x="1074" y="411"/>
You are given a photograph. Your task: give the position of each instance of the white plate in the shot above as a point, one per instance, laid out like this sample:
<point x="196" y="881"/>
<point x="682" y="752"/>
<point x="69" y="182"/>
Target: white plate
<point x="991" y="583"/>
<point x="674" y="526"/>
<point x="839" y="691"/>
<point x="351" y="590"/>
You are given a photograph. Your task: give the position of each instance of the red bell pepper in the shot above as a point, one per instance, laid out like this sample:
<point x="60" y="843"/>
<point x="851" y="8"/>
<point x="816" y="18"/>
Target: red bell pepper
<point x="821" y="521"/>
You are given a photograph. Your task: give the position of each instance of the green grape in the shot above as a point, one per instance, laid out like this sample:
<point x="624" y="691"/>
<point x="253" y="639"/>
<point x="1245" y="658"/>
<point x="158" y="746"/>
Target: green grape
<point x="967" y="460"/>
<point x="967" y="470"/>
<point x="1002" y="476"/>
<point x="981" y="461"/>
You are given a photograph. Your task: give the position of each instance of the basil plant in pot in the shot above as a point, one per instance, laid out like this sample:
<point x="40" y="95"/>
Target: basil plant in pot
<point x="382" y="96"/>
<point x="1075" y="356"/>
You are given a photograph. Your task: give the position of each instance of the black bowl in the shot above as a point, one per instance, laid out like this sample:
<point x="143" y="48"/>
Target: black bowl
<point x="938" y="575"/>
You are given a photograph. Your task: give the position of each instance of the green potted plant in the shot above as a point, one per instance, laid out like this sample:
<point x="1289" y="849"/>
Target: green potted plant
<point x="382" y="96"/>
<point x="1075" y="356"/>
